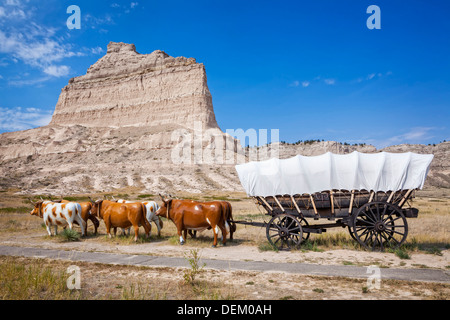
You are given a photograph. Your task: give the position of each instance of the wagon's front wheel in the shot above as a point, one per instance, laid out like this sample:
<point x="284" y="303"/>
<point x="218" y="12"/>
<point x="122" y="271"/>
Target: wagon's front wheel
<point x="378" y="225"/>
<point x="284" y="231"/>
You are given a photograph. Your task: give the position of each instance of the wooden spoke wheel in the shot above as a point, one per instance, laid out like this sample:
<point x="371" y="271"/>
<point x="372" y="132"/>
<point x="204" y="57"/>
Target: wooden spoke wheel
<point x="304" y="223"/>
<point x="379" y="225"/>
<point x="284" y="231"/>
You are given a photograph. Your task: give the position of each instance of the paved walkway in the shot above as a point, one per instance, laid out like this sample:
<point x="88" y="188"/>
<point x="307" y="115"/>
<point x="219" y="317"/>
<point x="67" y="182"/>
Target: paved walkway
<point x="430" y="275"/>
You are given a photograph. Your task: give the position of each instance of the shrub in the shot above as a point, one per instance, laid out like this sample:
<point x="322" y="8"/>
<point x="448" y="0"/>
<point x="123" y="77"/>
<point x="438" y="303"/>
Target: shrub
<point x="69" y="235"/>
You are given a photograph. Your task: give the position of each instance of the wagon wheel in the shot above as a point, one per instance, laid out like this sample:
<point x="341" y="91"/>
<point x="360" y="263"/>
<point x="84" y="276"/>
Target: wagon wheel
<point x="351" y="233"/>
<point x="284" y="231"/>
<point x="304" y="223"/>
<point x="378" y="225"/>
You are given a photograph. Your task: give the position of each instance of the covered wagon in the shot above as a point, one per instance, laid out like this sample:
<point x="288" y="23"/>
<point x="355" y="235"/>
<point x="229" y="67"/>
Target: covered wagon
<point x="369" y="194"/>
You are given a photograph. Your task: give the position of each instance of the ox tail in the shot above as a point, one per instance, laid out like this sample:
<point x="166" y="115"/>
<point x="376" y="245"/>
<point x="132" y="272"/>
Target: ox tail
<point x="144" y="221"/>
<point x="229" y="216"/>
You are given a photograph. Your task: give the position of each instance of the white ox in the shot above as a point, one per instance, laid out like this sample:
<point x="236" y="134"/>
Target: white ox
<point x="59" y="214"/>
<point x="151" y="207"/>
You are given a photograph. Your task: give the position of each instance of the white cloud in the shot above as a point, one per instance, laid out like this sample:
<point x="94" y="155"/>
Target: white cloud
<point x="295" y="83"/>
<point x="57" y="71"/>
<point x="416" y="135"/>
<point x="329" y="81"/>
<point x="305" y="84"/>
<point x="13" y="2"/>
<point x="134" y="4"/>
<point x="97" y="50"/>
<point x="22" y="119"/>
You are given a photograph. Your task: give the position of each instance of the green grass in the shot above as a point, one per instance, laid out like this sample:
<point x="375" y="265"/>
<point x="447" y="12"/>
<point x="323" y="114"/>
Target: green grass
<point x="146" y="195"/>
<point x="16" y="209"/>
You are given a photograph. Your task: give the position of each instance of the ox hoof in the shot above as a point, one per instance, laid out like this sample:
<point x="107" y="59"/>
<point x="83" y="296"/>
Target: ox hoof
<point x="213" y="246"/>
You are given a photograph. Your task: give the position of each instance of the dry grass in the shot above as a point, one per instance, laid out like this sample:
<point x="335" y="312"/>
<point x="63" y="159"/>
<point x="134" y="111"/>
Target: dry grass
<point x="28" y="278"/>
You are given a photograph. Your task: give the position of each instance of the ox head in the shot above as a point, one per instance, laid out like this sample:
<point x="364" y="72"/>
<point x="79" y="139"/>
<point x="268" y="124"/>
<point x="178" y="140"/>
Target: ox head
<point x="164" y="209"/>
<point x="95" y="208"/>
<point x="37" y="210"/>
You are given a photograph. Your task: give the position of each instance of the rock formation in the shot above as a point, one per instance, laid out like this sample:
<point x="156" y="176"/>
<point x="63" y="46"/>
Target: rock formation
<point x="125" y="88"/>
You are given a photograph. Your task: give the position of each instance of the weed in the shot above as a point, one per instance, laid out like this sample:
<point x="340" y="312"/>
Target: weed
<point x="266" y="246"/>
<point x="69" y="235"/>
<point x="402" y="254"/>
<point x="195" y="268"/>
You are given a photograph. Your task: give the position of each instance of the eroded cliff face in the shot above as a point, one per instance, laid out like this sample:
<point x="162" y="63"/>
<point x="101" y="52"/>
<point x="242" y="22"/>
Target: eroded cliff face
<point x="125" y="88"/>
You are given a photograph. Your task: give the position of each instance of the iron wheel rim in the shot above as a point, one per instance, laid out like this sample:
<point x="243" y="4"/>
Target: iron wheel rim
<point x="284" y="232"/>
<point x="380" y="225"/>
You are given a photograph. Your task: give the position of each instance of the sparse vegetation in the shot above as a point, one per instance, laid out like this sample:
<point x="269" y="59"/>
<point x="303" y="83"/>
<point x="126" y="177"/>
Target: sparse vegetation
<point x="189" y="275"/>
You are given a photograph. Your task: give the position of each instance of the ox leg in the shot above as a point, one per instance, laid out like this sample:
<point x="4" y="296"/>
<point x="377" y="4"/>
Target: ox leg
<point x="83" y="228"/>
<point x="158" y="226"/>
<point x="108" y="228"/>
<point x="215" y="231"/>
<point x="224" y="235"/>
<point x="49" y="231"/>
<point x="181" y="237"/>
<point x="56" y="230"/>
<point x="136" y="232"/>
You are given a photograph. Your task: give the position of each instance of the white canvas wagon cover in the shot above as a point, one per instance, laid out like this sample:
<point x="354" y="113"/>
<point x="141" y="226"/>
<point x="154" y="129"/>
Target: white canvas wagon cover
<point x="355" y="171"/>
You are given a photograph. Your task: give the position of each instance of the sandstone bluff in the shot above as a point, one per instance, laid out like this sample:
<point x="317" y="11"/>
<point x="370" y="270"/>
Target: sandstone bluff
<point x="113" y="128"/>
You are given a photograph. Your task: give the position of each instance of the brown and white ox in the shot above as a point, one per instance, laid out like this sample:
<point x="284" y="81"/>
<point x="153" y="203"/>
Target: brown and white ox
<point x="191" y="215"/>
<point x="86" y="214"/>
<point x="121" y="215"/>
<point x="151" y="207"/>
<point x="59" y="214"/>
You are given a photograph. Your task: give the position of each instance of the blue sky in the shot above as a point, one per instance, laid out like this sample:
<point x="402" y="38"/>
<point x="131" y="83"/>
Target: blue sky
<point x="311" y="69"/>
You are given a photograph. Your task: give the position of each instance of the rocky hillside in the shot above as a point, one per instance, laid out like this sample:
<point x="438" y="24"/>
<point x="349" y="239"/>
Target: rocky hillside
<point x="146" y="121"/>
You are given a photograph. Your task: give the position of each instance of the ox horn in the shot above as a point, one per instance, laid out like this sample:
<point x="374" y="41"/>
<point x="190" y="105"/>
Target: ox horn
<point x="162" y="198"/>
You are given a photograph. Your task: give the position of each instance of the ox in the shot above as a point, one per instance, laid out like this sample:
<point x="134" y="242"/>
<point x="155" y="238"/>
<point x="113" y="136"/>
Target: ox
<point x="121" y="215"/>
<point x="151" y="207"/>
<point x="86" y="214"/>
<point x="59" y="214"/>
<point x="192" y="215"/>
<point x="229" y="222"/>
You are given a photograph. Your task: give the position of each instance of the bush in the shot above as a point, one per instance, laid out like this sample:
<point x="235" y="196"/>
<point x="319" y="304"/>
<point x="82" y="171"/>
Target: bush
<point x="70" y="235"/>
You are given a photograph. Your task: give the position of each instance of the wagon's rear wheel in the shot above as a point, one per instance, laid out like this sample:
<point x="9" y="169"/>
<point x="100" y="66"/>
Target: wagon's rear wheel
<point x="379" y="225"/>
<point x="284" y="231"/>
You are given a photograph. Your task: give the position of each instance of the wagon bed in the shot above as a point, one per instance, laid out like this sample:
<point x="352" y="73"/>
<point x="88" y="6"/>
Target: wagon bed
<point x="375" y="218"/>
